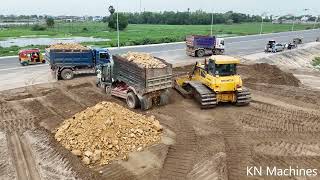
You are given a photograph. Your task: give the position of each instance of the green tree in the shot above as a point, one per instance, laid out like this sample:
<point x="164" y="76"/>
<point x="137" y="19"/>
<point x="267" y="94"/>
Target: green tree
<point x="123" y="21"/>
<point x="50" y="22"/>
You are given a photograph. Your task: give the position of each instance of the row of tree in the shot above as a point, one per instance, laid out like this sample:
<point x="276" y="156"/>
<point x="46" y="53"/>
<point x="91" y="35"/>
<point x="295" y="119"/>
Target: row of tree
<point x="179" y="18"/>
<point x="192" y="18"/>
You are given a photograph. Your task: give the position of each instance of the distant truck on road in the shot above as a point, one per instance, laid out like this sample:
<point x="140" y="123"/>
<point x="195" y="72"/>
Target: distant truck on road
<point x="65" y="63"/>
<point x="199" y="46"/>
<point x="141" y="86"/>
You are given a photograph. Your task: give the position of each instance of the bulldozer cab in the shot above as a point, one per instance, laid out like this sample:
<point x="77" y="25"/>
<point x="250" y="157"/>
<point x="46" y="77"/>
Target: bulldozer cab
<point x="222" y="66"/>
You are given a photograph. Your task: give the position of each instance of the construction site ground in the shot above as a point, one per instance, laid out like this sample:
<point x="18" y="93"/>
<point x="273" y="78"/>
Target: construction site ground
<point x="281" y="128"/>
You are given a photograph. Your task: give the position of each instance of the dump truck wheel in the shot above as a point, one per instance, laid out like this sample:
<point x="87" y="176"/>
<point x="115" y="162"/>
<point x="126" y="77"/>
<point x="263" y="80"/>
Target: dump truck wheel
<point x="67" y="74"/>
<point x="132" y="100"/>
<point x="200" y="53"/>
<point x="164" y="99"/>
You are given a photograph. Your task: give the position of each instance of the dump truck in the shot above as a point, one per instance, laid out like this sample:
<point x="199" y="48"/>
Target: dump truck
<point x="199" y="46"/>
<point x="140" y="86"/>
<point x="66" y="63"/>
<point x="214" y="81"/>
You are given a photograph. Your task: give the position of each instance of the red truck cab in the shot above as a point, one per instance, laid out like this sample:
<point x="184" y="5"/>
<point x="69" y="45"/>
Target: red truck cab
<point x="30" y="56"/>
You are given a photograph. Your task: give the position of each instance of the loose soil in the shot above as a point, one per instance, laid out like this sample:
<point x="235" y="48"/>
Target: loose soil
<point x="280" y="128"/>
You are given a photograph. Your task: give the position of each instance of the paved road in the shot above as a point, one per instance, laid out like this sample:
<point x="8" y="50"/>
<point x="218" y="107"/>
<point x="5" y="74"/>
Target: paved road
<point x="12" y="75"/>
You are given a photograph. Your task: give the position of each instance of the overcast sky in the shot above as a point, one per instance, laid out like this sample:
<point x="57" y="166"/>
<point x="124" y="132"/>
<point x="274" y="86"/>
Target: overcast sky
<point x="99" y="7"/>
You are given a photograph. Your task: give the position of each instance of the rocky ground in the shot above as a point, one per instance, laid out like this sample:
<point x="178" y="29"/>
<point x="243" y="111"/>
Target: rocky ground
<point x="280" y="128"/>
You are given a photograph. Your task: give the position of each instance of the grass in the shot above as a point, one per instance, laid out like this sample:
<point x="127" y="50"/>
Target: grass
<point x="316" y="62"/>
<point x="13" y="50"/>
<point x="139" y="34"/>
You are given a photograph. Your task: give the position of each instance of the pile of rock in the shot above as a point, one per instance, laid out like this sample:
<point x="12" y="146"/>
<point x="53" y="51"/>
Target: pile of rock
<point x="107" y="132"/>
<point x="144" y="59"/>
<point x="68" y="46"/>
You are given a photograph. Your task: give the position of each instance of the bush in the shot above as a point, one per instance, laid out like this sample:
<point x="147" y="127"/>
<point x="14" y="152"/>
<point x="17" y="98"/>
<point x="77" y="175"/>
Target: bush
<point x="37" y="27"/>
<point x="123" y="22"/>
<point x="316" y="61"/>
<point x="85" y="29"/>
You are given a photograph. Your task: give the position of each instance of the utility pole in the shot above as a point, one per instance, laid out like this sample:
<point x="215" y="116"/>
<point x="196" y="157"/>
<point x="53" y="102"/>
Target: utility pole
<point x="118" y="30"/>
<point x="294" y="19"/>
<point x="211" y="24"/>
<point x="140" y="6"/>
<point x="261" y="26"/>
<point x="315" y="22"/>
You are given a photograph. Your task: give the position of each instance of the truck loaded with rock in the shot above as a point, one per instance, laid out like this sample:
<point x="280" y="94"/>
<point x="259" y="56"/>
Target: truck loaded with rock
<point x="140" y="78"/>
<point x="67" y="60"/>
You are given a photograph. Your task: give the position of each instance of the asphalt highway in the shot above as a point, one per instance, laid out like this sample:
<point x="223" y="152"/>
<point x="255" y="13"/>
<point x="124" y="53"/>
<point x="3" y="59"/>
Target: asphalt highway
<point x="13" y="75"/>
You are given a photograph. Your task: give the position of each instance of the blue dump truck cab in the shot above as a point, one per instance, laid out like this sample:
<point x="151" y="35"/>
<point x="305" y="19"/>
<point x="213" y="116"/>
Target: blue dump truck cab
<point x="65" y="63"/>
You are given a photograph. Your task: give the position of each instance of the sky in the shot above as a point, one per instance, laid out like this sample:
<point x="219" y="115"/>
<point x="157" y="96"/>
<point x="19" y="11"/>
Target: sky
<point x="99" y="7"/>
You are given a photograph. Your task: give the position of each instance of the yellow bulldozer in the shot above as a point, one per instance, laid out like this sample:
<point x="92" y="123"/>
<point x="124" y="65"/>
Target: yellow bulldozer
<point x="213" y="82"/>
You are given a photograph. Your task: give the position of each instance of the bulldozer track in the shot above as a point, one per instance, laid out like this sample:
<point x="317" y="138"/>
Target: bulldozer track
<point x="23" y="160"/>
<point x="180" y="157"/>
<point x="204" y="95"/>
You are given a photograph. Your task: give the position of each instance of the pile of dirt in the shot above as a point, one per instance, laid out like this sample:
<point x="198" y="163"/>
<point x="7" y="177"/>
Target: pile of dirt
<point x="107" y="132"/>
<point x="144" y="59"/>
<point x="68" y="46"/>
<point x="269" y="74"/>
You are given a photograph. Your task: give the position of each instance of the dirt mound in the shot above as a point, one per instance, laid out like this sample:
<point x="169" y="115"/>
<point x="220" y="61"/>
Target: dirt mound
<point x="68" y="46"/>
<point x="144" y="59"/>
<point x="269" y="74"/>
<point x="107" y="132"/>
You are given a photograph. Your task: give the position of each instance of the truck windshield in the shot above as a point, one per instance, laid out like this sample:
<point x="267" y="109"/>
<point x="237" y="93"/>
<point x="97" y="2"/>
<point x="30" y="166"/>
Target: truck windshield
<point x="225" y="69"/>
<point x="104" y="56"/>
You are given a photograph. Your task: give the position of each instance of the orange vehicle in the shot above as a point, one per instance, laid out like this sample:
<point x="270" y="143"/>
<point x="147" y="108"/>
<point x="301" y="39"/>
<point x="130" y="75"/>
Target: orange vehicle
<point x="31" y="56"/>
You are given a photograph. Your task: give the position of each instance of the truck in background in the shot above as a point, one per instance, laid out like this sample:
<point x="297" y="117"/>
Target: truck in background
<point x="199" y="46"/>
<point x="66" y="63"/>
<point x="140" y="86"/>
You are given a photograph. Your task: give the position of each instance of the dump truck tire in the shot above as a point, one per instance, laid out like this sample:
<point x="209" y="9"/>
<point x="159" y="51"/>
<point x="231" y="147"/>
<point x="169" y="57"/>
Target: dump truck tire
<point x="164" y="99"/>
<point x="67" y="74"/>
<point x="200" y="53"/>
<point x="132" y="100"/>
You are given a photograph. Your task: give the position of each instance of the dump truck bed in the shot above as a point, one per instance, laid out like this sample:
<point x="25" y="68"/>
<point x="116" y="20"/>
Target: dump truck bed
<point x="197" y="41"/>
<point x="144" y="80"/>
<point x="60" y="57"/>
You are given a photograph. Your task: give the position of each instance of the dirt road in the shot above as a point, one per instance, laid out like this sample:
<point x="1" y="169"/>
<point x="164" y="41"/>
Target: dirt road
<point x="280" y="128"/>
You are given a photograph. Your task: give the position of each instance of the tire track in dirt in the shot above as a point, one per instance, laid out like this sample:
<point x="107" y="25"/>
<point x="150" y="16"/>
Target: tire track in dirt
<point x="23" y="160"/>
<point x="51" y="163"/>
<point x="116" y="172"/>
<point x="180" y="157"/>
<point x="7" y="169"/>
<point x="212" y="168"/>
<point x="238" y="153"/>
<point x="273" y="118"/>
